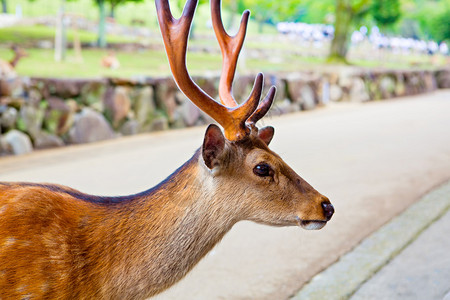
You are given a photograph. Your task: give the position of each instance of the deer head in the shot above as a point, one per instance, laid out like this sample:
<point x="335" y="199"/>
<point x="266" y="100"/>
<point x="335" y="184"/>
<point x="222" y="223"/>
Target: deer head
<point x="239" y="162"/>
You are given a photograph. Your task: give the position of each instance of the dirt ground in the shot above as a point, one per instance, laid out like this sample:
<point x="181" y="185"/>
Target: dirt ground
<point x="372" y="160"/>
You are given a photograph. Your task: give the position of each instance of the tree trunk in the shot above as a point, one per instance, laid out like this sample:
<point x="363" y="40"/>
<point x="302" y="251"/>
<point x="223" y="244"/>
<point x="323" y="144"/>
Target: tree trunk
<point x="101" y="41"/>
<point x="60" y="35"/>
<point x="339" y="45"/>
<point x="4" y="7"/>
<point x="112" y="11"/>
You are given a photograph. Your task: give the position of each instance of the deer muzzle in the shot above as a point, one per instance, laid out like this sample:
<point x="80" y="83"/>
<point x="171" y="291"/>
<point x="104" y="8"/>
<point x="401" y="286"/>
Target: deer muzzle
<point x="328" y="211"/>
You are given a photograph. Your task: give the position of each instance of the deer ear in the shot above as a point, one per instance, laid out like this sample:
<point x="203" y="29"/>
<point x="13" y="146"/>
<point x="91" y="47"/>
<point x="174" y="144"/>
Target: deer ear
<point x="213" y="146"/>
<point x="266" y="134"/>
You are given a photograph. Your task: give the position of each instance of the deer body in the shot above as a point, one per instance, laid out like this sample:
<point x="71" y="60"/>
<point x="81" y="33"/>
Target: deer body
<point x="110" y="61"/>
<point x="58" y="243"/>
<point x="72" y="245"/>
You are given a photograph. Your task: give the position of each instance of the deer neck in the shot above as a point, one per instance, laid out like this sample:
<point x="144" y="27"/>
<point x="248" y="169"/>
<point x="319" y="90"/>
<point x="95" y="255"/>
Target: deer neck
<point x="13" y="62"/>
<point x="169" y="230"/>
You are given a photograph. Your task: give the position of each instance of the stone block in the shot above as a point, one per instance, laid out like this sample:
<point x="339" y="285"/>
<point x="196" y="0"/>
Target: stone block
<point x="143" y="105"/>
<point x="8" y="118"/>
<point x="118" y="105"/>
<point x="308" y="97"/>
<point x="15" y="142"/>
<point x="31" y="119"/>
<point x="45" y="140"/>
<point x="90" y="126"/>
<point x="336" y="93"/>
<point x="93" y="93"/>
<point x="443" y="78"/>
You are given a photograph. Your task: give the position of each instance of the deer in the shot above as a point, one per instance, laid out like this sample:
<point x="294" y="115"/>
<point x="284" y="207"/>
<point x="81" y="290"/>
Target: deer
<point x="110" y="61"/>
<point x="59" y="243"/>
<point x="7" y="68"/>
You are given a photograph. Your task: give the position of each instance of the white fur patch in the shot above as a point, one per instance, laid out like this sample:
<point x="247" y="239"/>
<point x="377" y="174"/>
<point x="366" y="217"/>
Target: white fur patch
<point x="312" y="225"/>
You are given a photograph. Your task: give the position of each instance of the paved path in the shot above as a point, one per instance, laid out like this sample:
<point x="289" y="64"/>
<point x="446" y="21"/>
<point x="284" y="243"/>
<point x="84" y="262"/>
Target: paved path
<point x="407" y="258"/>
<point x="422" y="271"/>
<point x="371" y="160"/>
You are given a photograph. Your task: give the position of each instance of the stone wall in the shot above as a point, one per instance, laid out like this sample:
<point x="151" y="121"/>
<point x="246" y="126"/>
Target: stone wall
<point x="37" y="113"/>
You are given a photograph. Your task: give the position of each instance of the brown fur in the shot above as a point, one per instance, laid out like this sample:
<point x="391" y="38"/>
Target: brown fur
<point x="110" y="61"/>
<point x="19" y="53"/>
<point x="58" y="243"/>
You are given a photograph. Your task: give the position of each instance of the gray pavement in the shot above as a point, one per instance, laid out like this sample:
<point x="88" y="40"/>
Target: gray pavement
<point x="406" y="259"/>
<point x="372" y="160"/>
<point x="421" y="271"/>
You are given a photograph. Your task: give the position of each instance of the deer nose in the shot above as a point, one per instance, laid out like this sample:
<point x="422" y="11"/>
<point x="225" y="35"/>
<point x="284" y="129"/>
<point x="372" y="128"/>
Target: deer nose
<point x="328" y="210"/>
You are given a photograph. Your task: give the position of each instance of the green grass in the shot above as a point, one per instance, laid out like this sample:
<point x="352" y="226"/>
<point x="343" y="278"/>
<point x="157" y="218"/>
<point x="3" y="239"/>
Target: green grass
<point x="124" y="14"/>
<point x="85" y="8"/>
<point x="144" y="63"/>
<point x="40" y="63"/>
<point x="27" y="35"/>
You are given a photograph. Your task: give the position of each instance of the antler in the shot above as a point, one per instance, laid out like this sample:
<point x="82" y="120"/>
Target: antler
<point x="230" y="47"/>
<point x="235" y="119"/>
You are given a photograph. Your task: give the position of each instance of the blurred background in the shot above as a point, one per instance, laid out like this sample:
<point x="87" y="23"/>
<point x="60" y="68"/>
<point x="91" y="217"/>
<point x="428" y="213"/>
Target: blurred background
<point x="69" y="36"/>
<point x="68" y="64"/>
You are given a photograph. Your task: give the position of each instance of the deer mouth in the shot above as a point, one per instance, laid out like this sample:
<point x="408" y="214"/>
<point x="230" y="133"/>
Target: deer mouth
<point x="311" y="224"/>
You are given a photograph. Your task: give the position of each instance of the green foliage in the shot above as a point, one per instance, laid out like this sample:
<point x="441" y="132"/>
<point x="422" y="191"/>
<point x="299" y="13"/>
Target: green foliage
<point x="310" y="11"/>
<point x="440" y="25"/>
<point x="385" y="12"/>
<point x="318" y="11"/>
<point x="269" y="11"/>
<point x="101" y="40"/>
<point x="26" y="35"/>
<point x="423" y="19"/>
<point x="181" y="3"/>
<point x="113" y="4"/>
<point x="433" y="17"/>
<point x="347" y="13"/>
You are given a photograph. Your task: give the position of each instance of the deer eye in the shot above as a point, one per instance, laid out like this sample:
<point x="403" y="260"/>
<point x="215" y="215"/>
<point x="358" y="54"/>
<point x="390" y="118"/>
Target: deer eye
<point x="263" y="170"/>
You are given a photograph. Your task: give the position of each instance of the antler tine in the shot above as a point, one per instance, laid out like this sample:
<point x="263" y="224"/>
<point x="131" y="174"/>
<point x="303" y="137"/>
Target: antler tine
<point x="254" y="97"/>
<point x="237" y="128"/>
<point x="263" y="108"/>
<point x="230" y="47"/>
<point x="175" y="33"/>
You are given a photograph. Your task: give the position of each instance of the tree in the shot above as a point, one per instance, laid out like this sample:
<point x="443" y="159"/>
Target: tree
<point x="269" y="11"/>
<point x="4" y="7"/>
<point x="347" y="12"/>
<point x="433" y="19"/>
<point x="440" y="29"/>
<point x="101" y="40"/>
<point x="114" y="3"/>
<point x="60" y="34"/>
<point x="385" y="12"/>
